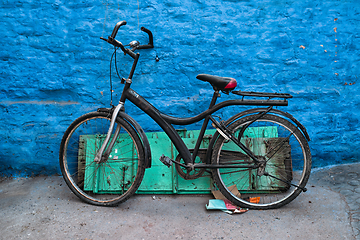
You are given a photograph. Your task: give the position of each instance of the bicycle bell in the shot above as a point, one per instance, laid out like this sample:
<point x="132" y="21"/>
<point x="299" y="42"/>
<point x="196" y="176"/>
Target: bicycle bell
<point x="134" y="44"/>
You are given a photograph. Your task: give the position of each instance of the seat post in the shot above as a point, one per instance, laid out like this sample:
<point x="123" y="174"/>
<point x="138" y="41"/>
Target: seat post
<point x="214" y="98"/>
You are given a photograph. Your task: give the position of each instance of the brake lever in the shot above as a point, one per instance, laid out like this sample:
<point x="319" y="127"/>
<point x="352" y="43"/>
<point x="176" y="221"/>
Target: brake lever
<point x="104" y="39"/>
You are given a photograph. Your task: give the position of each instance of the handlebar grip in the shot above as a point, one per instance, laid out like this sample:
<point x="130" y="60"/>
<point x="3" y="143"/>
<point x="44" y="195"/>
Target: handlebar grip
<point x="116" y="28"/>
<point x="151" y="42"/>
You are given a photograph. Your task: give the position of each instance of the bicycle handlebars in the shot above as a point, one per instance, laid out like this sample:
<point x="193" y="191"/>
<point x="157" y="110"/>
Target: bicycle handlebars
<point x="111" y="39"/>
<point x="151" y="43"/>
<point x="116" y="28"/>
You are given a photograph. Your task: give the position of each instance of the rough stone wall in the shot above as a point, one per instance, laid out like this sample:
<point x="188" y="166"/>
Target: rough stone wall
<point x="54" y="67"/>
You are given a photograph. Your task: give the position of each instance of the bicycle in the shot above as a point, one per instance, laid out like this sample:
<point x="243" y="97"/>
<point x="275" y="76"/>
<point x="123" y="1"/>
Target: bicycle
<point x="259" y="158"/>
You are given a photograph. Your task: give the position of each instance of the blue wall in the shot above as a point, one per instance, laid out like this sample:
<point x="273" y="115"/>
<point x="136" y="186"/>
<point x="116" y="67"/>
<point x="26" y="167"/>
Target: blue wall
<point x="54" y="67"/>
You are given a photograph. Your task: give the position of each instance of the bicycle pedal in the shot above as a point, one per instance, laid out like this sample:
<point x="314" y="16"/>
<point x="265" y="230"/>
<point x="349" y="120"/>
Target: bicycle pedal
<point x="166" y="160"/>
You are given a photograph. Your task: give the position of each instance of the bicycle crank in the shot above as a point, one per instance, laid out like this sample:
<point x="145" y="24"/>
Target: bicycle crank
<point x="188" y="172"/>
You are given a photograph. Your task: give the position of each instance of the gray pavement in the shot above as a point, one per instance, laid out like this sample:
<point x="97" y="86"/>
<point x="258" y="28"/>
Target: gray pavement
<point x="45" y="208"/>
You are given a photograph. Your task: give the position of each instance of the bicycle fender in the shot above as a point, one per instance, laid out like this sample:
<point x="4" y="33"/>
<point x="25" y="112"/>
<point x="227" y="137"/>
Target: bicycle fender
<point x="248" y="112"/>
<point x="139" y="130"/>
<point x="276" y="111"/>
<point x="142" y="135"/>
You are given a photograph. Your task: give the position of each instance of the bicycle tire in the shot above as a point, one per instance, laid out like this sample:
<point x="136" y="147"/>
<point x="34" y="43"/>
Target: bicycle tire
<point x="286" y="154"/>
<point x="111" y="181"/>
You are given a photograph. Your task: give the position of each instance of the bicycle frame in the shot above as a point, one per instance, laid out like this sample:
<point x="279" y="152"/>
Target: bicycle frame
<point x="165" y="121"/>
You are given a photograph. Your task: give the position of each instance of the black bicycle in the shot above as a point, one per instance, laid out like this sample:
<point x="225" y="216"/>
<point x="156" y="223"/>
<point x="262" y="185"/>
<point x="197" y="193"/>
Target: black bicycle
<point x="258" y="158"/>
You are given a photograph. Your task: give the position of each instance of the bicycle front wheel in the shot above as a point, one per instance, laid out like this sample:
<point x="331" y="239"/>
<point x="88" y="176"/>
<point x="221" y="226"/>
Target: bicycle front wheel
<point x="112" y="180"/>
<point x="285" y="163"/>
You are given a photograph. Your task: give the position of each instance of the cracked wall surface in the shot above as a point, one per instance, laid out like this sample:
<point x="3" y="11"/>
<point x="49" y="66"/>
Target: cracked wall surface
<point x="54" y="67"/>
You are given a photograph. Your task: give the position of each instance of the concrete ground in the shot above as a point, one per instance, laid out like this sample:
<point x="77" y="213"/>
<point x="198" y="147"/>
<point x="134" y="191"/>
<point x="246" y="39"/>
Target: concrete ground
<point x="45" y="208"/>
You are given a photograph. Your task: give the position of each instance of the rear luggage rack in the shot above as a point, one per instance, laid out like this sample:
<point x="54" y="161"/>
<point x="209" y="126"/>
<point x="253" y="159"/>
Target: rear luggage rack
<point x="262" y="94"/>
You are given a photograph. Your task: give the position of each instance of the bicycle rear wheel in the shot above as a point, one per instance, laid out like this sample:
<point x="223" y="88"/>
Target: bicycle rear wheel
<point x="286" y="159"/>
<point x="111" y="181"/>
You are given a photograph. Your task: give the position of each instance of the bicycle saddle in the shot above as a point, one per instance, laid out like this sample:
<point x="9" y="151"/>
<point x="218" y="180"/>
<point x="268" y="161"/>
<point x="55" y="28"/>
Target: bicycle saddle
<point x="219" y="83"/>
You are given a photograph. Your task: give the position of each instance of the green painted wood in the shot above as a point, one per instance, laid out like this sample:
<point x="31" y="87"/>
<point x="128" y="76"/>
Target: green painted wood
<point x="94" y="173"/>
<point x="159" y="179"/>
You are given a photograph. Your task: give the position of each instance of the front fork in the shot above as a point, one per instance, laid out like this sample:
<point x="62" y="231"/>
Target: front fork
<point x="101" y="156"/>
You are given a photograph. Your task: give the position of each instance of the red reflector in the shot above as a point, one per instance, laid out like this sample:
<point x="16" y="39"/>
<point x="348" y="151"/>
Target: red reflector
<point x="232" y="84"/>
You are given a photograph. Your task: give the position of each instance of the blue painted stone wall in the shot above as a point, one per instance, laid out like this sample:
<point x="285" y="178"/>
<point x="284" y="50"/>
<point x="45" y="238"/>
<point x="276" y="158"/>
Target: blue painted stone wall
<point x="54" y="67"/>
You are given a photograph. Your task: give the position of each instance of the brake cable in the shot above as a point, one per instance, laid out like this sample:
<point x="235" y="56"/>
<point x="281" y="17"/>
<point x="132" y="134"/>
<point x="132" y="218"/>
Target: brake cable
<point x="117" y="72"/>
